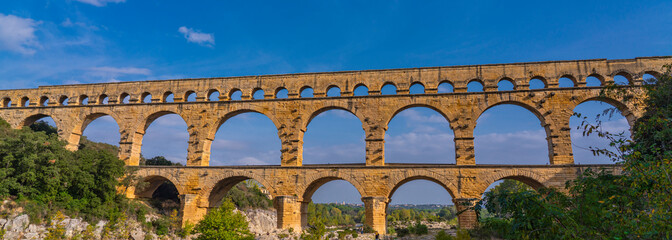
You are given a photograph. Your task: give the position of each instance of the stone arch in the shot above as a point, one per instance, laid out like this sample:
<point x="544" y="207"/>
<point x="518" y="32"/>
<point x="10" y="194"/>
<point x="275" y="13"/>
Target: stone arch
<point x="532" y="109"/>
<point x="153" y="182"/>
<point x="653" y="73"/>
<point x="625" y="73"/>
<point x="188" y="94"/>
<point x="25" y="101"/>
<point x="622" y="107"/>
<point x="147" y="120"/>
<point x="321" y="110"/>
<point x="145" y="95"/>
<point x="570" y="77"/>
<point x="234" y="91"/>
<point x="333" y="87"/>
<point x="424" y="88"/>
<point x="216" y="190"/>
<point x="44" y="100"/>
<point x="400" y="180"/>
<point x="6" y="102"/>
<point x="451" y="84"/>
<point x="506" y="79"/>
<point x="257" y="90"/>
<point x="538" y="113"/>
<point x="222" y="119"/>
<point x="530" y="178"/>
<point x="598" y="76"/>
<point x="102" y="98"/>
<point x="358" y="86"/>
<point x="315" y="182"/>
<point x="277" y="92"/>
<point x="396" y="89"/>
<point x="425" y="105"/>
<point x="306" y="88"/>
<point x="166" y="95"/>
<point x="540" y="78"/>
<point x="210" y="93"/>
<point x="123" y="96"/>
<point x="90" y="117"/>
<point x="476" y="80"/>
<point x="33" y="118"/>
<point x="63" y="100"/>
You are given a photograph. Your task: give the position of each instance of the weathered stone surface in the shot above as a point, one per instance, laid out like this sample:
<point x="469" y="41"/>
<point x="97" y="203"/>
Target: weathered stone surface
<point x="292" y="184"/>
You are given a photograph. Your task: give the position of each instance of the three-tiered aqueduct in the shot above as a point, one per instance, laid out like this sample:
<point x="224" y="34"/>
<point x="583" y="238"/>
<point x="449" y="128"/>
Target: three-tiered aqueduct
<point x="291" y="184"/>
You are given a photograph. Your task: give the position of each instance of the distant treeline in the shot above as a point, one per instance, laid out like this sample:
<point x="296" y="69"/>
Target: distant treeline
<point x="332" y="214"/>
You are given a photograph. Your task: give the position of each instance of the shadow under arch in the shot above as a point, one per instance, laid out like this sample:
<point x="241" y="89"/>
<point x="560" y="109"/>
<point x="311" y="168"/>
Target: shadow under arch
<point x="153" y="182"/>
<point x="33" y="118"/>
<point x="223" y="186"/>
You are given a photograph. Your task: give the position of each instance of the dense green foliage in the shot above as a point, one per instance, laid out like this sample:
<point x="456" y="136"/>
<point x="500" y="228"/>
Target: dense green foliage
<point x="415" y="214"/>
<point x="37" y="168"/>
<point x="158" y="161"/>
<point x="600" y="205"/>
<point x="332" y="214"/>
<point x="223" y="224"/>
<point x="417" y="229"/>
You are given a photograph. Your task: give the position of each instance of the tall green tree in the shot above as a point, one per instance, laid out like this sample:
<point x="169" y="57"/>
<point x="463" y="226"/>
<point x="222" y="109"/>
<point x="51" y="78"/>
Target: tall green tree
<point x="601" y="205"/>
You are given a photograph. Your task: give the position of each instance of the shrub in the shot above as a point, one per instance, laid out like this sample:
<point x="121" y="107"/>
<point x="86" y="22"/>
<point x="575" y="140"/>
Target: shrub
<point x="223" y="223"/>
<point x="442" y="235"/>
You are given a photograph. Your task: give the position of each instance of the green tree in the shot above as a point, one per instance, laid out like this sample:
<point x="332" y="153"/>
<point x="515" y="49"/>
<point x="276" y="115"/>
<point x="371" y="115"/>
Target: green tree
<point x="601" y="205"/>
<point x="223" y="223"/>
<point x="160" y="161"/>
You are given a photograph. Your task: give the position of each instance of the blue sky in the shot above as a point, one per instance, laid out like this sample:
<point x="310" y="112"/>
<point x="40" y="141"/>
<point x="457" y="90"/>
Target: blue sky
<point x="87" y="41"/>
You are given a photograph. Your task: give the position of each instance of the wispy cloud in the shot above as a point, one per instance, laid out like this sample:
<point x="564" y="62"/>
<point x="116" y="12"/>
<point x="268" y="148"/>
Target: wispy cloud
<point x="100" y="3"/>
<point x="195" y="36"/>
<point x="124" y="70"/>
<point x="17" y="34"/>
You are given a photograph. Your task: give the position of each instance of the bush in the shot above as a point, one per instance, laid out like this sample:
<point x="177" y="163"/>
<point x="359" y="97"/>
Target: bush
<point x="223" y="223"/>
<point x="442" y="235"/>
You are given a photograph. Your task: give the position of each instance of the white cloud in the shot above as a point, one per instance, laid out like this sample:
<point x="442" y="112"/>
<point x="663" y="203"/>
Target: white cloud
<point x="100" y="3"/>
<point x="203" y="39"/>
<point x="18" y="34"/>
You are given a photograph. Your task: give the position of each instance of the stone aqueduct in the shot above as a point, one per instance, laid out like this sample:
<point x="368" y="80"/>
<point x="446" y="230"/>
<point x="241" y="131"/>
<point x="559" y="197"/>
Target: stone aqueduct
<point x="291" y="184"/>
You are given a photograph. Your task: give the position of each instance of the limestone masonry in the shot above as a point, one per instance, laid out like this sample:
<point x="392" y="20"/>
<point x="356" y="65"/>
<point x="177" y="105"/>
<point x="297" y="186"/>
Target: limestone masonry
<point x="291" y="183"/>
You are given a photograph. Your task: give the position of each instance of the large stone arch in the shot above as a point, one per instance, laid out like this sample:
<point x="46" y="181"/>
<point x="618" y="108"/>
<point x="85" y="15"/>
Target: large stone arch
<point x="431" y="105"/>
<point x="221" y="119"/>
<point x="533" y="110"/>
<point x="215" y="189"/>
<point x="401" y="179"/>
<point x="314" y="182"/>
<point x="89" y="116"/>
<point x="532" y="179"/>
<point x="625" y="109"/>
<point x="153" y="182"/>
<point x="321" y="109"/>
